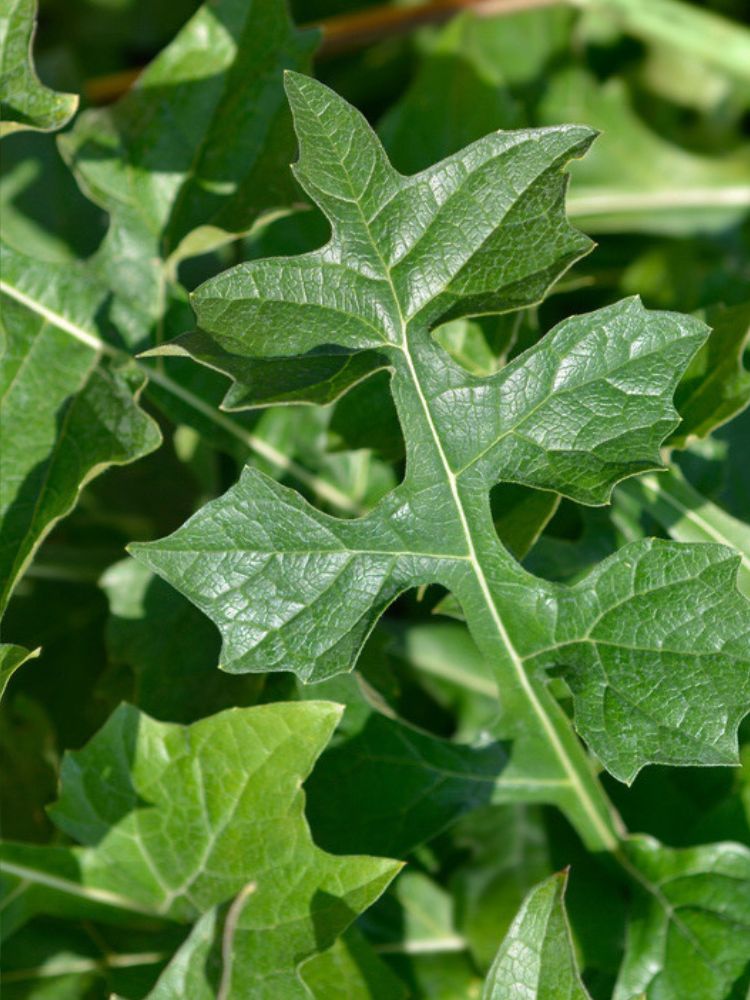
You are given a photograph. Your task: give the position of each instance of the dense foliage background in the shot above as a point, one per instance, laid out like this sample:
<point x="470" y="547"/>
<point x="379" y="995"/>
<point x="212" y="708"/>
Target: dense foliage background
<point x="408" y="772"/>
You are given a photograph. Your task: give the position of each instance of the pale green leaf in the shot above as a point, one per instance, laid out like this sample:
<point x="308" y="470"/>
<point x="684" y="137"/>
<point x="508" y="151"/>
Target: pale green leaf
<point x="536" y="960"/>
<point x="351" y="970"/>
<point x="635" y="179"/>
<point x="25" y="103"/>
<point x="178" y="820"/>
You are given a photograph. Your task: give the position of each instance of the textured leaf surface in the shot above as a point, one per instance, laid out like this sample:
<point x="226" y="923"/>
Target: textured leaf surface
<point x="536" y="959"/>
<point x="25" y="103"/>
<point x="170" y="647"/>
<point x="68" y="410"/>
<point x="659" y="663"/>
<point x="291" y="588"/>
<point x="691" y="935"/>
<point x="178" y="820"/>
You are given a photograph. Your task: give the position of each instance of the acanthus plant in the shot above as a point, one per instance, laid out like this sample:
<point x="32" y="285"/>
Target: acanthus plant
<point x="654" y="644"/>
<point x="203" y="825"/>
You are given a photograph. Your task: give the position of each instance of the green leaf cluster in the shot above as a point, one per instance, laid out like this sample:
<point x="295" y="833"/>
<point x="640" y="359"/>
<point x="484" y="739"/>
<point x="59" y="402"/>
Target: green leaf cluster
<point x="375" y="556"/>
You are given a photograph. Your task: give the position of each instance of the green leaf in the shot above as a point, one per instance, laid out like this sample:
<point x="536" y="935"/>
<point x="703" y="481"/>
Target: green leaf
<point x="399" y="787"/>
<point x="25" y="103"/>
<point x="179" y="820"/>
<point x="689" y="517"/>
<point x="351" y="970"/>
<point x="69" y="406"/>
<point x="11" y="658"/>
<point x="171" y="648"/>
<point x="536" y="959"/>
<point x="654" y="644"/>
<point x="716" y="386"/>
<point x="319" y="377"/>
<point x="690" y="931"/>
<point x="291" y="588"/>
<point x="195" y="151"/>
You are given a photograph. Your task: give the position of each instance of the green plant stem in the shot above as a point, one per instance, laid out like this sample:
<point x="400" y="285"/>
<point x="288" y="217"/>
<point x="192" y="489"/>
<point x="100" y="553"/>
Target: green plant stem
<point x="549" y="758"/>
<point x="326" y="491"/>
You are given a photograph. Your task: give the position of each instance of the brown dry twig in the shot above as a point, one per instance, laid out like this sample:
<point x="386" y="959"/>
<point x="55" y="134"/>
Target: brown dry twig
<point x="346" y="32"/>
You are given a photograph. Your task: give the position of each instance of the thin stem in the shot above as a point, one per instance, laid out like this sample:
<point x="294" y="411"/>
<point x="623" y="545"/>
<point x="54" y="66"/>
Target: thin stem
<point x="345" y="32"/>
<point x="320" y="487"/>
<point x="365" y="27"/>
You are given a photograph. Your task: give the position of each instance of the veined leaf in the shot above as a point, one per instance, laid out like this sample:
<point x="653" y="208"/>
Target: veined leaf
<point x="690" y="931"/>
<point x="179" y="820"/>
<point x="536" y="959"/>
<point x="25" y="103"/>
<point x="291" y="588"/>
<point x="69" y="406"/>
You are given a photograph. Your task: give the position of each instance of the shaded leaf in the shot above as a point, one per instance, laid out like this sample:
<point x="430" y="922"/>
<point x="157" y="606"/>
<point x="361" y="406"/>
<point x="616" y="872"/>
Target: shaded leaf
<point x="716" y="385"/>
<point x="25" y="103"/>
<point x="159" y="161"/>
<point x="69" y="407"/>
<point x="690" y="930"/>
<point x="536" y="959"/>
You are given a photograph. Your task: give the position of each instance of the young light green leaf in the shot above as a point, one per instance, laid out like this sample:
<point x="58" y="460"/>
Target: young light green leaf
<point x="25" y="103"/>
<point x="536" y="959"/>
<point x="69" y="408"/>
<point x="214" y="963"/>
<point x="179" y="820"/>
<point x="690" y="930"/>
<point x="351" y="970"/>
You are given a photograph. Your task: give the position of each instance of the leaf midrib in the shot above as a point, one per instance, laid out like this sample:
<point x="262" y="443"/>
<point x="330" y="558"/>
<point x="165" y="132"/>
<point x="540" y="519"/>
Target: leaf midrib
<point x="604" y="833"/>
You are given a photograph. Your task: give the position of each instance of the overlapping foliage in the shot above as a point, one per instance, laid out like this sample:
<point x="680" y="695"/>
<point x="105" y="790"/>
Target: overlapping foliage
<point x="340" y="424"/>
